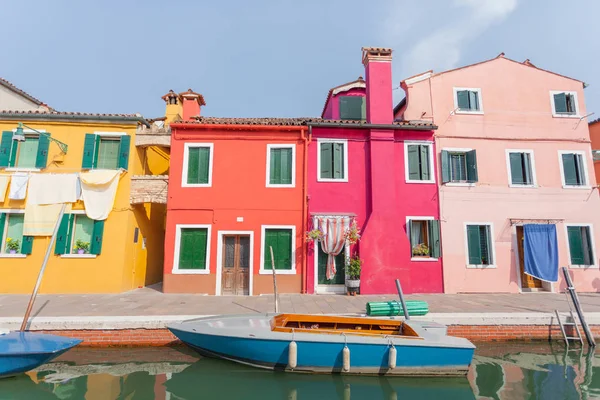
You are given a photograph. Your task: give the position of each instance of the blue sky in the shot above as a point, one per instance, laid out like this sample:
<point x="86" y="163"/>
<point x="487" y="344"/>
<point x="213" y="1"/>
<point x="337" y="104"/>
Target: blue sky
<point x="273" y="57"/>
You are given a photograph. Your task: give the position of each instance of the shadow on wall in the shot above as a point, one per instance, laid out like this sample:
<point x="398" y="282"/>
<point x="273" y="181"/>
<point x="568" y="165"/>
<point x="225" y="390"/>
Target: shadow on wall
<point x="596" y="284"/>
<point x="151" y="220"/>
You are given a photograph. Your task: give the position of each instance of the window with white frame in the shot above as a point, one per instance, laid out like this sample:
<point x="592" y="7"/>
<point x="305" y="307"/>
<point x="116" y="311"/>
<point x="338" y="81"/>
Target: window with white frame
<point x="581" y="245"/>
<point x="281" y="165"/>
<point x="78" y="234"/>
<point x="564" y="104"/>
<point x="468" y="100"/>
<point x="28" y="153"/>
<point x="573" y="169"/>
<point x="197" y="165"/>
<point x="192" y="249"/>
<point x="281" y="240"/>
<point x="332" y="160"/>
<point x="106" y="150"/>
<point x="424" y="236"/>
<point x="479" y="245"/>
<point x="459" y="166"/>
<point x="12" y="240"/>
<point x="521" y="167"/>
<point x="418" y="162"/>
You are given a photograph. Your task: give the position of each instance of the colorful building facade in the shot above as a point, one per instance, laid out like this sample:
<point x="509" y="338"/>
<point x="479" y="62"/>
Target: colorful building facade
<point x="514" y="150"/>
<point x="595" y="138"/>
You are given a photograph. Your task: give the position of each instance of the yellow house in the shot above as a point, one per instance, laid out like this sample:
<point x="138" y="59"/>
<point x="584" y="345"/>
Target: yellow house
<point x="121" y="253"/>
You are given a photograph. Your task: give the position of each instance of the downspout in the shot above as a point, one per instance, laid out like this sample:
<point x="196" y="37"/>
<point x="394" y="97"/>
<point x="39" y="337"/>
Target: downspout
<point x="306" y="142"/>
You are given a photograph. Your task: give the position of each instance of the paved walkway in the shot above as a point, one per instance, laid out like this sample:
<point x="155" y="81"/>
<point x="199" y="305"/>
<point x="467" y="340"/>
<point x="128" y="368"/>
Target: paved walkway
<point x="150" y="302"/>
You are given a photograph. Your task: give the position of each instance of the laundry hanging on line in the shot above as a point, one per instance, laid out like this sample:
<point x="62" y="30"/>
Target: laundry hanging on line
<point x="18" y="186"/>
<point x="98" y="189"/>
<point x="4" y="179"/>
<point x="52" y="189"/>
<point x="40" y="220"/>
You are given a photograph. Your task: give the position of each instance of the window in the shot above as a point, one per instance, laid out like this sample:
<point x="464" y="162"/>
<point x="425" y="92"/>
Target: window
<point x="564" y="104"/>
<point x="573" y="169"/>
<point x="197" y="165"/>
<point x="281" y="165"/>
<point x="106" y="151"/>
<point x="353" y="108"/>
<point x="521" y="168"/>
<point x="468" y="100"/>
<point x="332" y="158"/>
<point x="192" y="249"/>
<point x="11" y="235"/>
<point x="424" y="235"/>
<point x="31" y="153"/>
<point x="479" y="245"/>
<point x="418" y="162"/>
<point x="459" y="166"/>
<point x="78" y="234"/>
<point x="281" y="238"/>
<point x="580" y="245"/>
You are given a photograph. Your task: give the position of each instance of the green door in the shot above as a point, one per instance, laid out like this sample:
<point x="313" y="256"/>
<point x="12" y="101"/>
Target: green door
<point x="340" y="268"/>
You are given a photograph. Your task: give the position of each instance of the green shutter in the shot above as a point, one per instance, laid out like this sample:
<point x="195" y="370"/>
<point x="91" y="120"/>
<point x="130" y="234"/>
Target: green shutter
<point x="275" y="167"/>
<point x="338" y="161"/>
<point x="560" y="103"/>
<point x="446" y="177"/>
<point x="462" y="100"/>
<point x="363" y="109"/>
<point x="96" y="245"/>
<point x="424" y="158"/>
<point x="413" y="162"/>
<point x="570" y="169"/>
<point x="473" y="242"/>
<point x="192" y="248"/>
<point x="473" y="100"/>
<point x="434" y="239"/>
<point x="286" y="166"/>
<point x="270" y="241"/>
<point x="351" y="107"/>
<point x="283" y="256"/>
<point x="97" y="141"/>
<point x="408" y="232"/>
<point x="203" y="164"/>
<point x="516" y="168"/>
<point x="89" y="147"/>
<point x="326" y="160"/>
<point x="124" y="151"/>
<point x="193" y="165"/>
<point x="580" y="169"/>
<point x="63" y="235"/>
<point x="27" y="245"/>
<point x="587" y="246"/>
<point x="472" y="166"/>
<point x="5" y="148"/>
<point x="527" y="168"/>
<point x="42" y="152"/>
<point x="575" y="245"/>
<point x="2" y="221"/>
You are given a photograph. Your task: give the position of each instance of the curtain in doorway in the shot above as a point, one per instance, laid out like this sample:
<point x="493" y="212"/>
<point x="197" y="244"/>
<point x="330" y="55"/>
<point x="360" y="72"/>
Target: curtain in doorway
<point x="540" y="248"/>
<point x="334" y="229"/>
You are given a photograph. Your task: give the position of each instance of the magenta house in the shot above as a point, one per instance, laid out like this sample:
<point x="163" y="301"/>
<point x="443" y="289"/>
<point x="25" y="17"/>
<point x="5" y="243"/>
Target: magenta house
<point x="366" y="167"/>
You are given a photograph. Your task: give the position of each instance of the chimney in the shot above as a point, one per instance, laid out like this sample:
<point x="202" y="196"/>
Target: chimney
<point x="173" y="111"/>
<point x="191" y="104"/>
<point x="378" y="73"/>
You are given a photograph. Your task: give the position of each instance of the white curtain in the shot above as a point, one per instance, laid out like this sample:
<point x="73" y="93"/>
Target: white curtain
<point x="334" y="229"/>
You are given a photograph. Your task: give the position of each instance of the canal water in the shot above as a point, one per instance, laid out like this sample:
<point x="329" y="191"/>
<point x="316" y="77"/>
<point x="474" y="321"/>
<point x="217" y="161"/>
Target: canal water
<point x="500" y="371"/>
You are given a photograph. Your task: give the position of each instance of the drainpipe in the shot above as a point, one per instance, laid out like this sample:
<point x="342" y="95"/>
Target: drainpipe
<point x="306" y="142"/>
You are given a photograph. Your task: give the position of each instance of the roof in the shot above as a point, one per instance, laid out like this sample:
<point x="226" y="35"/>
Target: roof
<point x="193" y="95"/>
<point x="595" y="121"/>
<point x="526" y="63"/>
<point x="13" y="114"/>
<point x="399" y="106"/>
<point x="20" y="92"/>
<point x="358" y="83"/>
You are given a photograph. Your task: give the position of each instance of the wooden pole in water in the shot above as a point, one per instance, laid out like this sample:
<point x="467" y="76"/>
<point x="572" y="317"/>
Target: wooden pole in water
<point x="274" y="280"/>
<point x="41" y="273"/>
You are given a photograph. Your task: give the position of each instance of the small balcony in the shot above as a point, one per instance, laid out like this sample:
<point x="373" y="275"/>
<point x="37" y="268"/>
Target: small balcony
<point x="149" y="189"/>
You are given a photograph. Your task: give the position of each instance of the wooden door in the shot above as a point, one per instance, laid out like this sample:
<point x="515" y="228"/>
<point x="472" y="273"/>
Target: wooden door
<point x="527" y="281"/>
<point x="236" y="265"/>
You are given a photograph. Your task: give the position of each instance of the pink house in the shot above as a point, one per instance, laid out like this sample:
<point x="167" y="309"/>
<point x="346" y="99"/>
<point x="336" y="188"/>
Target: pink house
<point x="514" y="151"/>
<point x="364" y="165"/>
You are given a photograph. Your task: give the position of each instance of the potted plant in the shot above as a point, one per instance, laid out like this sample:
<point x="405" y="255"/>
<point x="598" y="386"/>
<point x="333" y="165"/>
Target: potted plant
<point x="12" y="245"/>
<point x="315" y="234"/>
<point x="353" y="275"/>
<point x="82" y="247"/>
<point x="420" y="250"/>
<point x="352" y="235"/>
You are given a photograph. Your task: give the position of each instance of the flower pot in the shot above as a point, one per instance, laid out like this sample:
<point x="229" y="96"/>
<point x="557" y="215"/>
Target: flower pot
<point x="80" y="251"/>
<point x="12" y="251"/>
<point x="352" y="283"/>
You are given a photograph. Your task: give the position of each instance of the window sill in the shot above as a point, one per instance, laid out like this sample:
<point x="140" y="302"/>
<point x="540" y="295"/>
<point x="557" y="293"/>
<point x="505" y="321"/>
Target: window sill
<point x="465" y="112"/>
<point x="576" y="187"/>
<point x="345" y="180"/>
<point x="8" y="255"/>
<point x="583" y="266"/>
<point x="78" y="256"/>
<point x="16" y="169"/>
<point x="277" y="272"/>
<point x="471" y="266"/>
<point x="190" y="272"/>
<point x="421" y="259"/>
<point x="516" y="185"/>
<point x="572" y="116"/>
<point x="196" y="185"/>
<point x="410" y="181"/>
<point x="283" y="186"/>
<point x="461" y="184"/>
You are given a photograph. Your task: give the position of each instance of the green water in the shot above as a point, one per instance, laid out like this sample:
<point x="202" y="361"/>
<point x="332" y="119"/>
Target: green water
<point x="507" y="371"/>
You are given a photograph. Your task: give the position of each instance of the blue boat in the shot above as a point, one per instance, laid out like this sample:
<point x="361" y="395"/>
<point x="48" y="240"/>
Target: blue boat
<point x="329" y="344"/>
<point x="23" y="351"/>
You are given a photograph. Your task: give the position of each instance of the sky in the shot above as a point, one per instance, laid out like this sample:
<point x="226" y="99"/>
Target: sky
<point x="273" y="58"/>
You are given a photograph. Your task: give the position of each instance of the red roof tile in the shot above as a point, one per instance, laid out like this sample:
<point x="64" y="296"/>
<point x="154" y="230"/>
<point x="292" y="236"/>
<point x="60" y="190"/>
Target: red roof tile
<point x="58" y="113"/>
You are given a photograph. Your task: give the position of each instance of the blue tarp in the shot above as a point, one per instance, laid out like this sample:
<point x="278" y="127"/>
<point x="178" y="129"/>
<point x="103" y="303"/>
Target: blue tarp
<point x="540" y="248"/>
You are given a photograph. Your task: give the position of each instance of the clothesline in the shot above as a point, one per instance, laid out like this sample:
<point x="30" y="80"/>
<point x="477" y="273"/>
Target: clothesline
<point x="62" y="171"/>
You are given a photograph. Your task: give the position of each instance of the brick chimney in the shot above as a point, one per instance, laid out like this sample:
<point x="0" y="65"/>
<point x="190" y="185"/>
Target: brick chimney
<point x="174" y="110"/>
<point x="191" y="104"/>
<point x="378" y="73"/>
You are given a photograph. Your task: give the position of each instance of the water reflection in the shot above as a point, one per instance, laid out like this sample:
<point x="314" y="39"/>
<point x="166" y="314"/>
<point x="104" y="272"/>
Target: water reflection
<point x="499" y="372"/>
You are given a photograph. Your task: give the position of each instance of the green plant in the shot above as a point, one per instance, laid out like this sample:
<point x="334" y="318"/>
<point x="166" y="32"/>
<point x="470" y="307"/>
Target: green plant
<point x="352" y="235"/>
<point x="12" y="244"/>
<point x="354" y="267"/>
<point x="315" y="234"/>
<point x="81" y="245"/>
<point x="420" y="250"/>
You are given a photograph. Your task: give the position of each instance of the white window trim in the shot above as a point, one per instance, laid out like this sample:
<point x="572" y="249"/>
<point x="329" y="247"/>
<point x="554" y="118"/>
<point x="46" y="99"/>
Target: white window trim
<point x="458" y="150"/>
<point x="419" y="218"/>
<point x="509" y="171"/>
<point x="176" y="269"/>
<point x="110" y="134"/>
<point x="263" y="271"/>
<point x="8" y="255"/>
<point x="219" y="268"/>
<point x="345" y="143"/>
<point x="16" y="255"/>
<point x="562" y="169"/>
<point x="78" y="255"/>
<point x="592" y="239"/>
<point x="75" y="255"/>
<point x="493" y="246"/>
<point x="479" y="97"/>
<point x="184" y="172"/>
<point x="281" y="146"/>
<point x="570" y="92"/>
<point x="432" y="169"/>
